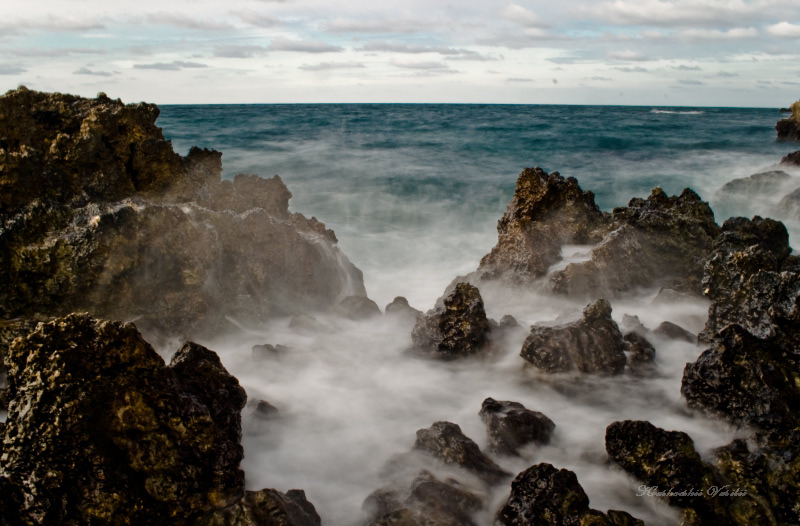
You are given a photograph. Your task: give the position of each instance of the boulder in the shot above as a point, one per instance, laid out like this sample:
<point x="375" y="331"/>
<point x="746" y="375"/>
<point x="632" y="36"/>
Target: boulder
<point x="99" y="429"/>
<point x="762" y="183"/>
<point x="400" y="308"/>
<point x="543" y="495"/>
<point x="789" y="129"/>
<point x="673" y="331"/>
<point x="653" y="241"/>
<point x="511" y="426"/>
<point x="641" y="354"/>
<point x="793" y="159"/>
<point x="546" y="212"/>
<point x="593" y="344"/>
<point x="358" y="308"/>
<point x="455" y="330"/>
<point x="266" y="507"/>
<point x="633" y="324"/>
<point x="508" y="322"/>
<point x="789" y="205"/>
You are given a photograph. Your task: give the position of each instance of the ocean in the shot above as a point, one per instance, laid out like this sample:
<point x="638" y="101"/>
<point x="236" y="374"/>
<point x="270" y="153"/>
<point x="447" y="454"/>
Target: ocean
<point x="414" y="193"/>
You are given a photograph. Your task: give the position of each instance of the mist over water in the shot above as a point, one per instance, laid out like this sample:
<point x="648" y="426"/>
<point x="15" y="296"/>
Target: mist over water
<point x="414" y="193"/>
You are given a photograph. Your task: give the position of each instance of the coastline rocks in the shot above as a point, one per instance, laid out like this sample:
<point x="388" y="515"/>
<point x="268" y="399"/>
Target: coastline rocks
<point x="400" y="308"/>
<point x="760" y="183"/>
<point x="545" y="496"/>
<point x="100" y="429"/>
<point x="266" y="507"/>
<point x="455" y="330"/>
<point x="793" y="159"/>
<point x="673" y="331"/>
<point x="658" y="240"/>
<point x="789" y="205"/>
<point x="789" y="129"/>
<point x="99" y="213"/>
<point x="511" y="426"/>
<point x="592" y="344"/>
<point x="358" y="308"/>
<point x="547" y="211"/>
<point x="641" y="354"/>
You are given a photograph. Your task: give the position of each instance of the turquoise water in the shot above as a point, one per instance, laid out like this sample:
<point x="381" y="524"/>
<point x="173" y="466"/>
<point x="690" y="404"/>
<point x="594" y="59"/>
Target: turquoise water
<point x="414" y="191"/>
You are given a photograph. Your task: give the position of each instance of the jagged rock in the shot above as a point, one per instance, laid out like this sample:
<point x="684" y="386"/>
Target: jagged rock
<point x="654" y="241"/>
<point x="303" y="323"/>
<point x="511" y="426"/>
<point x="399" y="307"/>
<point x="99" y="429"/>
<point x="746" y="380"/>
<point x="668" y="461"/>
<point x="508" y="322"/>
<point x="263" y="409"/>
<point x="673" y="331"/>
<point x="671" y="296"/>
<point x="99" y="213"/>
<point x="789" y="205"/>
<point x="641" y="354"/>
<point x="266" y="507"/>
<point x="546" y="212"/>
<point x="592" y="344"/>
<point x="789" y="129"/>
<point x="545" y="496"/>
<point x="457" y="329"/>
<point x="358" y="308"/>
<point x="752" y="280"/>
<point x="793" y="159"/>
<point x="445" y="442"/>
<point x="633" y="324"/>
<point x="760" y="183"/>
<point x="427" y="500"/>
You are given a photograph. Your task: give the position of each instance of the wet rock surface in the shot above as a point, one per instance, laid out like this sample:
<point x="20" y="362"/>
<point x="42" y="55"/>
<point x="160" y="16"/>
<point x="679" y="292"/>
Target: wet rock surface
<point x="641" y="354"/>
<point x="793" y="159"/>
<point x="455" y="330"/>
<point x="99" y="213"/>
<point x="399" y="307"/>
<point x="358" y="308"/>
<point x="789" y="205"/>
<point x="510" y="426"/>
<point x="99" y="429"/>
<point x="673" y="331"/>
<point x="760" y="183"/>
<point x="593" y="344"/>
<point x="789" y="129"/>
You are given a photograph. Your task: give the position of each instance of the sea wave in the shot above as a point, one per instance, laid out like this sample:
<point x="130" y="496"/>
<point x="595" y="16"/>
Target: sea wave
<point x="691" y="112"/>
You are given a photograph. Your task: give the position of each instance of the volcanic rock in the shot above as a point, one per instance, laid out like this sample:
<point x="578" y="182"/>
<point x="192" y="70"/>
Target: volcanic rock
<point x="633" y="324"/>
<point x="511" y="426"/>
<point x="672" y="331"/>
<point x="508" y="322"/>
<point x="592" y="344"/>
<point x="789" y="129"/>
<point x="793" y="159"/>
<point x="266" y="507"/>
<point x="358" y="308"/>
<point x="641" y="354"/>
<point x="399" y="307"/>
<point x="457" y="329"/>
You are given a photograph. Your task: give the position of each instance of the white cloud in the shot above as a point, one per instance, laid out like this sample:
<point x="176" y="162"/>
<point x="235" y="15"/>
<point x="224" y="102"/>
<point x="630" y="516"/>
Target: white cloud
<point x="186" y="22"/>
<point x="684" y="67"/>
<point x="87" y="71"/>
<point x="302" y="46"/>
<point x="520" y="15"/>
<point x="238" y="51"/>
<point x="683" y="13"/>
<point x="635" y="69"/>
<point x="175" y="65"/>
<point x="627" y="55"/>
<point x="326" y="66"/>
<point x="735" y="33"/>
<point x="691" y="82"/>
<point x="379" y="26"/>
<point x="254" y="18"/>
<point x="50" y="23"/>
<point x="11" y="70"/>
<point x="785" y="30"/>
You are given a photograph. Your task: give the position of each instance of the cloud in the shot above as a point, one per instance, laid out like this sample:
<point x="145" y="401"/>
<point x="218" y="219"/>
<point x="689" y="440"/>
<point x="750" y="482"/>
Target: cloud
<point x="520" y="15"/>
<point x="627" y="55"/>
<point x="431" y="67"/>
<point x="736" y="33"/>
<point x="303" y="46"/>
<point x="401" y="47"/>
<point x="518" y="79"/>
<point x="635" y="69"/>
<point x="691" y="82"/>
<point x="87" y="71"/>
<point x="689" y="13"/>
<point x="684" y="67"/>
<point x="349" y="25"/>
<point x="326" y="66"/>
<point x="238" y="51"/>
<point x="49" y="23"/>
<point x="11" y="70"/>
<point x="186" y="22"/>
<point x="175" y="65"/>
<point x="604" y="79"/>
<point x="55" y="52"/>
<point x="725" y="74"/>
<point x="254" y="18"/>
<point x="785" y="30"/>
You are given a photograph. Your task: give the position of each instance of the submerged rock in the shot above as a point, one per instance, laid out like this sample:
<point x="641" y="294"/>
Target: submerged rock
<point x="592" y="344"/>
<point x="673" y="331"/>
<point x="399" y="307"/>
<point x="458" y="329"/>
<point x="511" y="426"/>
<point x="543" y="495"/>
<point x="99" y="429"/>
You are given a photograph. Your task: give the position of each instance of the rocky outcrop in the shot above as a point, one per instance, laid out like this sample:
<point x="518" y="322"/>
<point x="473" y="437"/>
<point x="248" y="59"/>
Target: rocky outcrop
<point x="793" y="159"/>
<point x="400" y="308"/>
<point x="593" y="344"/>
<point x="789" y="205"/>
<point x="760" y="183"/>
<point x="99" y="213"/>
<point x="510" y="426"/>
<point x="673" y="331"/>
<point x="655" y="241"/>
<point x="641" y="354"/>
<point x="546" y="212"/>
<point x="358" y="308"/>
<point x="543" y="495"/>
<point x="455" y="330"/>
<point x="100" y="430"/>
<point x="789" y="129"/>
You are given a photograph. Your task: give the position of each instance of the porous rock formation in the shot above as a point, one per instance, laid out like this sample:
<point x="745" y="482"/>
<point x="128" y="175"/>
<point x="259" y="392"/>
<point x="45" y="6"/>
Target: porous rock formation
<point x="457" y="329"/>
<point x="98" y="213"/>
<point x="511" y="426"/>
<point x="789" y="129"/>
<point x="100" y="430"/>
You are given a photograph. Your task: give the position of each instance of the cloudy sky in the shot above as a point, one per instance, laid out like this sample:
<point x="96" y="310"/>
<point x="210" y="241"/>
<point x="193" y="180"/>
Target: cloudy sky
<point x="665" y="52"/>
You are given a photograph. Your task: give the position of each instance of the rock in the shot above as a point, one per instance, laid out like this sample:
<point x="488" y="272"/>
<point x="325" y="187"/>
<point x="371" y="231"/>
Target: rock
<point x="268" y="351"/>
<point x="656" y="241"/>
<point x="752" y="280"/>
<point x="263" y="409"/>
<point x="303" y="323"/>
<point x="789" y="129"/>
<point x="98" y="213"/>
<point x="508" y="322"/>
<point x="671" y="296"/>
<point x="793" y="159"/>
<point x="667" y="461"/>
<point x="445" y="442"/>
<point x="458" y="329"/>
<point x="789" y="205"/>
<point x="641" y="354"/>
<point x="746" y="380"/>
<point x="672" y="331"/>
<point x="546" y="212"/>
<point x="400" y="308"/>
<point x="266" y="507"/>
<point x="632" y="324"/>
<point x="511" y="426"/>
<point x="358" y="308"/>
<point x="756" y="184"/>
<point x="592" y="344"/>
<point x="545" y="496"/>
<point x="99" y="429"/>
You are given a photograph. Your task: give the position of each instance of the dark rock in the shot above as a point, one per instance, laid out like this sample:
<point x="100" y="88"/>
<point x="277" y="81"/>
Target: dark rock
<point x="546" y="212"/>
<point x="457" y="329"/>
<point x="671" y="296"/>
<point x="793" y="159"/>
<point x="752" y="280"/>
<point x="304" y="323"/>
<point x="789" y="205"/>
<point x="789" y="129"/>
<point x="653" y="241"/>
<point x="268" y="351"/>
<point x="511" y="426"/>
<point x="545" y="496"/>
<point x="672" y="331"/>
<point x="358" y="308"/>
<point x="508" y="322"/>
<point x="445" y="442"/>
<point x="592" y="344"/>
<point x="267" y="507"/>
<point x="760" y="183"/>
<point x="745" y="380"/>
<point x="399" y="307"/>
<point x="263" y="409"/>
<point x="632" y="324"/>
<point x="99" y="429"/>
<point x="641" y="354"/>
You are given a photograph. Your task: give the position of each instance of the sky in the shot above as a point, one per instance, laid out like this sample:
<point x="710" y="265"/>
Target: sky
<point x="631" y="52"/>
